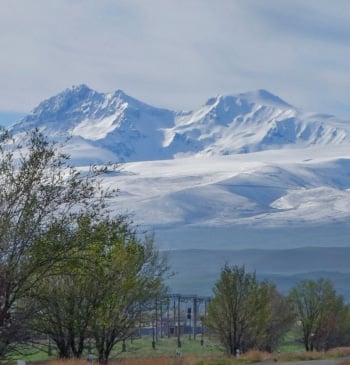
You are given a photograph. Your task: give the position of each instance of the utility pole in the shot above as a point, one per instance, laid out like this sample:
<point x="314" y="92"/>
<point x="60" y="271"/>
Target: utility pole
<point x="194" y="317"/>
<point x="168" y="317"/>
<point x="178" y="321"/>
<point x="156" y="319"/>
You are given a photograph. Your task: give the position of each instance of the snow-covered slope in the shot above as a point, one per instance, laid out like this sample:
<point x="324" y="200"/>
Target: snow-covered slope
<point x="115" y="126"/>
<point x="119" y="127"/>
<point x="249" y="159"/>
<point x="252" y="122"/>
<point x="266" y="188"/>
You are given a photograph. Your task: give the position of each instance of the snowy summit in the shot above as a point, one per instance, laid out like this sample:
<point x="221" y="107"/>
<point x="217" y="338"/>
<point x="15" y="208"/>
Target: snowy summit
<point x="243" y="159"/>
<point x="119" y="127"/>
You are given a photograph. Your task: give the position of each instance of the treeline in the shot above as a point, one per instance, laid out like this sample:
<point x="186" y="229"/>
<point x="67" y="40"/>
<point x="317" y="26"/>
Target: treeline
<point x="247" y="314"/>
<point x="72" y="273"/>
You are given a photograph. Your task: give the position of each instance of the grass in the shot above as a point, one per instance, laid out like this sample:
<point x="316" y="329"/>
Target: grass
<point x="168" y="347"/>
<point x="140" y="352"/>
<point x="335" y="353"/>
<point x="37" y="353"/>
<point x="248" y="358"/>
<point x="165" y="348"/>
<point x="162" y="360"/>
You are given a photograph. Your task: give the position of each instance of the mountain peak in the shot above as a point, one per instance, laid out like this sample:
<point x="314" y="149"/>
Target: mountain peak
<point x="80" y="88"/>
<point x="81" y="91"/>
<point x="226" y="124"/>
<point x="120" y="94"/>
<point x="66" y="98"/>
<point x="262" y="96"/>
<point x="259" y="96"/>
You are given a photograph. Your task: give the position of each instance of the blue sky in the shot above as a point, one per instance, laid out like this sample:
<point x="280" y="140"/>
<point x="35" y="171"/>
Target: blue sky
<point x="176" y="53"/>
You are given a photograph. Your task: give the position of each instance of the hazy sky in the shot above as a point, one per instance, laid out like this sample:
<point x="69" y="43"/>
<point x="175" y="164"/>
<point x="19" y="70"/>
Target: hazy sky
<point x="177" y="53"/>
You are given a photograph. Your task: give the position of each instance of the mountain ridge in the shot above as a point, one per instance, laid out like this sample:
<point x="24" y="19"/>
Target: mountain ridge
<point x="127" y="129"/>
<point x="246" y="179"/>
<point x="247" y="159"/>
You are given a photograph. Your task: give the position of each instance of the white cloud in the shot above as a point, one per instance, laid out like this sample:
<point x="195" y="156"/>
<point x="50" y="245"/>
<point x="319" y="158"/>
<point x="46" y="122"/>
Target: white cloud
<point x="176" y="53"/>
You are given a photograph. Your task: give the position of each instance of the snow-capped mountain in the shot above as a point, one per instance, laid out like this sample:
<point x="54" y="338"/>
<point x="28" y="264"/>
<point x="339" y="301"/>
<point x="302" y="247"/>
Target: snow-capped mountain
<point x="115" y="126"/>
<point x="245" y="171"/>
<point x="255" y="121"/>
<point x="102" y="127"/>
<point x="249" y="159"/>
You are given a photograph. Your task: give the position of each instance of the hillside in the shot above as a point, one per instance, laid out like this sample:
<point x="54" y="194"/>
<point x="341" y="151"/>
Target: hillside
<point x="245" y="179"/>
<point x="248" y="159"/>
<point x="285" y="268"/>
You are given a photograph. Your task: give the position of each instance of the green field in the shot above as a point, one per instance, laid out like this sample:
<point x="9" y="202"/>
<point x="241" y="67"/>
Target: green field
<point x="140" y="347"/>
<point x="168" y="347"/>
<point x="165" y="347"/>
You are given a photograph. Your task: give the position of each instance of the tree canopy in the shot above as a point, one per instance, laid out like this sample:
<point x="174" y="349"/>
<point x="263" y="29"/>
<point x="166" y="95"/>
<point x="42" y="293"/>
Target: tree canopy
<point x="245" y="313"/>
<point x="321" y="313"/>
<point x="66" y="265"/>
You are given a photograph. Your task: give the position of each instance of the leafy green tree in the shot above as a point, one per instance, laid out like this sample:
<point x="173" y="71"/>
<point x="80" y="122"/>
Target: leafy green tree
<point x="40" y="195"/>
<point x="67" y="296"/>
<point x="133" y="273"/>
<point x="279" y="319"/>
<point x="241" y="311"/>
<point x="96" y="294"/>
<point x="321" y="313"/>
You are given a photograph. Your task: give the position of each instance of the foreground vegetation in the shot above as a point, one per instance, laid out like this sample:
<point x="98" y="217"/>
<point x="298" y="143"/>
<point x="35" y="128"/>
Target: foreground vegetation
<point x="69" y="271"/>
<point x="247" y="314"/>
<point x="214" y="358"/>
<point x="85" y="282"/>
<point x="140" y="351"/>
